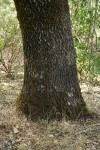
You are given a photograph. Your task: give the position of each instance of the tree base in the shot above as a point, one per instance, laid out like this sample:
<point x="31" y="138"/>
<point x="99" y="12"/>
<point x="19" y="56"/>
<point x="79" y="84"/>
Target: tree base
<point x="51" y="112"/>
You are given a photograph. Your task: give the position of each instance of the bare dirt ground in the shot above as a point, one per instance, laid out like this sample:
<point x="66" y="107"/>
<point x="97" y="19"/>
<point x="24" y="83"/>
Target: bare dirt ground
<point x="18" y="133"/>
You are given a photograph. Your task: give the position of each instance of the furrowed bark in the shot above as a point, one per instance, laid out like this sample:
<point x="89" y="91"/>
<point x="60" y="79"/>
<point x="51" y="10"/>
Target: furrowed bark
<point x="50" y="87"/>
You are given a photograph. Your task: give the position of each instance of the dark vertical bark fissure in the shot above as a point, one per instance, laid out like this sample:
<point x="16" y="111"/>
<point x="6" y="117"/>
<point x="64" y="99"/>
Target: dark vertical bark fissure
<point x="50" y="74"/>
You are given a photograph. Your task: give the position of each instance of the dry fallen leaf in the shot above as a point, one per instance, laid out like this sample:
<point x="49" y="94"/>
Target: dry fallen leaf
<point x="15" y="130"/>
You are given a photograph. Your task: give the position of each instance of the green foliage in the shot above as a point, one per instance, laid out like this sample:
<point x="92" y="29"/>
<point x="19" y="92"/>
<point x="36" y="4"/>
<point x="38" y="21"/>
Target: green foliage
<point x="10" y="37"/>
<point x="86" y="24"/>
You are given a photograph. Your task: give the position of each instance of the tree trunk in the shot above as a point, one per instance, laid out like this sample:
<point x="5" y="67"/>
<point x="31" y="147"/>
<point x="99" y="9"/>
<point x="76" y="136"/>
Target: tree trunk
<point x="50" y="87"/>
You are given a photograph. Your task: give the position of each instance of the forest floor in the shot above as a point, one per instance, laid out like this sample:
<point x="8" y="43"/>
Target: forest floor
<point x="18" y="133"/>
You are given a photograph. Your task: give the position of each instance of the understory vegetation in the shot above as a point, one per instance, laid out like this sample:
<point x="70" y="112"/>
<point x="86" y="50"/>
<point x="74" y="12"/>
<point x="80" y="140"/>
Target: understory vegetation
<point x="86" y="24"/>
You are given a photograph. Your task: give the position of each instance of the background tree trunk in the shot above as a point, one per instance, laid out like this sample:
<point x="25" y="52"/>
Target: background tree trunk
<point x="50" y="87"/>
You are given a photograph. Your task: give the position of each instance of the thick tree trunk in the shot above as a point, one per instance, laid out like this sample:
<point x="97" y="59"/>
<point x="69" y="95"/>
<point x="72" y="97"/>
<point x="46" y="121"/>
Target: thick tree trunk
<point x="50" y="87"/>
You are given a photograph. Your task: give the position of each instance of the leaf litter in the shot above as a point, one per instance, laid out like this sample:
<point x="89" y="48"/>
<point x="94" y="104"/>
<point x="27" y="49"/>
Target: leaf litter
<point x="18" y="133"/>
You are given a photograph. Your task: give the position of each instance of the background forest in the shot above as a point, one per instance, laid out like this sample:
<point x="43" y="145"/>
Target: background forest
<point x="85" y="25"/>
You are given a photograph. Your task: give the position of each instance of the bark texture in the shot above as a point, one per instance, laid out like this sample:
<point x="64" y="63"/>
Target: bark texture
<point x="50" y="87"/>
